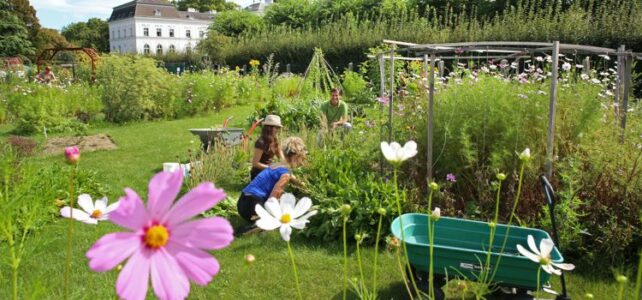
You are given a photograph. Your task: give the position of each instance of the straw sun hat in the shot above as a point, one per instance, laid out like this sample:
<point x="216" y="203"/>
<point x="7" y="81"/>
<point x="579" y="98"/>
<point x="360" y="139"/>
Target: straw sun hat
<point x="272" y="120"/>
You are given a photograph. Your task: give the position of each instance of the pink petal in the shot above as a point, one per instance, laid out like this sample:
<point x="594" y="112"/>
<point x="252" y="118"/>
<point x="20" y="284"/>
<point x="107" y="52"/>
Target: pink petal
<point x="210" y="233"/>
<point x="163" y="189"/>
<point x="130" y="213"/>
<point x="168" y="279"/>
<point x="198" y="200"/>
<point x="112" y="249"/>
<point x="134" y="277"/>
<point x="199" y="266"/>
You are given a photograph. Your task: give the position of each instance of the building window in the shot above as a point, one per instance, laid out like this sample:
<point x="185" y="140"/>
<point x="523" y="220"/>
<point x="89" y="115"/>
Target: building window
<point x="159" y="32"/>
<point x="172" y="49"/>
<point x="119" y="51"/>
<point x="188" y="33"/>
<point x="201" y="34"/>
<point x="118" y="33"/>
<point x="171" y="32"/>
<point x="159" y="49"/>
<point x="157" y="12"/>
<point x="146" y="31"/>
<point x="146" y="49"/>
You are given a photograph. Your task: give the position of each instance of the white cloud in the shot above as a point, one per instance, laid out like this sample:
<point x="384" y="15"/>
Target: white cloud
<point x="77" y="7"/>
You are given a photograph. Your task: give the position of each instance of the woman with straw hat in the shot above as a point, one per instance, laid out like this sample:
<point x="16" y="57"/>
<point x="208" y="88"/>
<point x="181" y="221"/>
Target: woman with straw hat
<point x="266" y="146"/>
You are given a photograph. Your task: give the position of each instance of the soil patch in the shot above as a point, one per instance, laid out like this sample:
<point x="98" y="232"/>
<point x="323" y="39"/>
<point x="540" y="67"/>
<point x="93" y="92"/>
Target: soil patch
<point x="84" y="143"/>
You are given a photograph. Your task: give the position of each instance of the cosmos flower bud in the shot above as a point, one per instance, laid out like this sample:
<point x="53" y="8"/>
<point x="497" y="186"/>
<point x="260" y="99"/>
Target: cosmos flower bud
<point x="381" y="211"/>
<point x="249" y="259"/>
<point x="501" y="176"/>
<point x="345" y="209"/>
<point x="434" y="186"/>
<point x="525" y="156"/>
<point x="73" y="154"/>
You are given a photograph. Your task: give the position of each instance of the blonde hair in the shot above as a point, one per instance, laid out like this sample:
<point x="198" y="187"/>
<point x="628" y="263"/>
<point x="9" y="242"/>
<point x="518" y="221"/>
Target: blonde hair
<point x="294" y="150"/>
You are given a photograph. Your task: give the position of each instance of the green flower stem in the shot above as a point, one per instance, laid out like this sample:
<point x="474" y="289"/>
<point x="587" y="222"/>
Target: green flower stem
<point x="374" y="272"/>
<point x="539" y="271"/>
<point x="363" y="279"/>
<point x="431" y="239"/>
<point x="296" y="275"/>
<point x="345" y="258"/>
<point x="403" y="274"/>
<point x="510" y="219"/>
<point x="638" y="281"/>
<point x="620" y="291"/>
<point x="70" y="230"/>
<point x="493" y="230"/>
<point x="403" y="235"/>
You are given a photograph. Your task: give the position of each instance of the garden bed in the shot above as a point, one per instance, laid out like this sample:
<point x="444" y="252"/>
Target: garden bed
<point x="85" y="143"/>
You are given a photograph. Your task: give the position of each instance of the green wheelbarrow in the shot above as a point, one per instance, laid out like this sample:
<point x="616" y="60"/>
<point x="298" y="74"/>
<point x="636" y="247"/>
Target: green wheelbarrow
<point x="460" y="251"/>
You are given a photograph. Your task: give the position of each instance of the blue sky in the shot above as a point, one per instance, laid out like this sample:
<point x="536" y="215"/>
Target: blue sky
<point x="58" y="13"/>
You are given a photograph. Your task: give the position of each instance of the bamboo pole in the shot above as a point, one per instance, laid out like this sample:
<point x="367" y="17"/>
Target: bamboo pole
<point x="431" y="99"/>
<point x="551" y="110"/>
<point x="392" y="91"/>
<point x="627" y="87"/>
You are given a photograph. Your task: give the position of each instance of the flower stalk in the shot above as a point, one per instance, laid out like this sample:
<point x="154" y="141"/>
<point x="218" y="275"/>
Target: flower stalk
<point x="382" y="212"/>
<point x="70" y="229"/>
<point x="403" y="235"/>
<point x="431" y="240"/>
<point x="296" y="275"/>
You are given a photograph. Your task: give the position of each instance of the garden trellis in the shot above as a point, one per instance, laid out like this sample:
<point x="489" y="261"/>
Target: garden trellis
<point x="516" y="51"/>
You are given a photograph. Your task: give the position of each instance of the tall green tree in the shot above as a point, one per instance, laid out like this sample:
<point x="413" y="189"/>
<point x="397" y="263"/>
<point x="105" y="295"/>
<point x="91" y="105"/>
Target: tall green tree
<point x="92" y="34"/>
<point x="25" y="12"/>
<point x="14" y="36"/>
<point x="235" y="22"/>
<point x="205" y="5"/>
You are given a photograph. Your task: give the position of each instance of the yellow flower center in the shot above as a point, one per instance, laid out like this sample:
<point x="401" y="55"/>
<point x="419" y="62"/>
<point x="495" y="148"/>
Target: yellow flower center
<point x="156" y="236"/>
<point x="96" y="214"/>
<point x="544" y="261"/>
<point x="285" y="218"/>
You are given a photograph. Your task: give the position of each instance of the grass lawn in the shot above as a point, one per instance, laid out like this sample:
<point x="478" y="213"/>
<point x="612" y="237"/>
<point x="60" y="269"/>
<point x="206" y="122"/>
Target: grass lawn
<point x="142" y="148"/>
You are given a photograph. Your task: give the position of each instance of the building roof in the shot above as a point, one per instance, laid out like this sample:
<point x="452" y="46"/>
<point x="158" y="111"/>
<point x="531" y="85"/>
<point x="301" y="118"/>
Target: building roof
<point x="161" y="9"/>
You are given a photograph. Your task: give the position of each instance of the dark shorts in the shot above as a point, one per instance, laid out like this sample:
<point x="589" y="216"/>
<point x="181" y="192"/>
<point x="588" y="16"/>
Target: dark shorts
<point x="246" y="204"/>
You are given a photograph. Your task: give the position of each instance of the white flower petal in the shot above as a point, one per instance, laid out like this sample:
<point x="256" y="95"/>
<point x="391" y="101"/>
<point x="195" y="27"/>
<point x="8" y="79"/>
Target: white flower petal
<point x="84" y="201"/>
<point x="299" y="224"/>
<point x="74" y="213"/>
<point x="387" y="151"/>
<point x="287" y="203"/>
<point x="268" y="223"/>
<point x="308" y="215"/>
<point x="89" y="221"/>
<point x="567" y="267"/>
<point x="301" y="207"/>
<point x="112" y="207"/>
<point x="528" y="254"/>
<point x="548" y="269"/>
<point x="101" y="204"/>
<point x="545" y="247"/>
<point x="272" y="206"/>
<point x="409" y="150"/>
<point x="286" y="230"/>
<point x="532" y="245"/>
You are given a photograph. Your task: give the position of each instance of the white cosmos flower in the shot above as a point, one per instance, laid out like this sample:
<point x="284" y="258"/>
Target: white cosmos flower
<point x="284" y="213"/>
<point x="542" y="256"/>
<point x="396" y="154"/>
<point x="566" y="66"/>
<point x="91" y="212"/>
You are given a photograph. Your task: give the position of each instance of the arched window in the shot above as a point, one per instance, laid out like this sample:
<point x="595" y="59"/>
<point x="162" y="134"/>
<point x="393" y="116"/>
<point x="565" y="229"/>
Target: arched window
<point x="159" y="49"/>
<point x="146" y="49"/>
<point x="172" y="49"/>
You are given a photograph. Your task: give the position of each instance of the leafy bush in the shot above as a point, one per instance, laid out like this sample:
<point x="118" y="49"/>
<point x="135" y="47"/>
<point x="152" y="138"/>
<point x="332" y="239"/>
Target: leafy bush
<point x="294" y="115"/>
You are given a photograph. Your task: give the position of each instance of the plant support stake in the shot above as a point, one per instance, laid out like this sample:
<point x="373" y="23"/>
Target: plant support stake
<point x="551" y="110"/>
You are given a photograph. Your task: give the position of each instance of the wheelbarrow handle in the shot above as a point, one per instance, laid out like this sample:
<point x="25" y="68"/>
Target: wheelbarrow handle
<point x="549" y="193"/>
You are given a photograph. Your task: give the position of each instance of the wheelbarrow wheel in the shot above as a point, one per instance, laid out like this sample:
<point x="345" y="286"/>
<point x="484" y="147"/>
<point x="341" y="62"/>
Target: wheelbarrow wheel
<point x="421" y="279"/>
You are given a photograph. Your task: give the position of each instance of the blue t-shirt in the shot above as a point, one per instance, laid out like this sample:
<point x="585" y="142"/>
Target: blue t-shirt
<point x="263" y="183"/>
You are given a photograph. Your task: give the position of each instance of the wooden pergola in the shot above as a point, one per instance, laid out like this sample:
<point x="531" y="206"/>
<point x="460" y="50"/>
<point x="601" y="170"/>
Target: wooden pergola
<point x="431" y="54"/>
<point x="48" y="54"/>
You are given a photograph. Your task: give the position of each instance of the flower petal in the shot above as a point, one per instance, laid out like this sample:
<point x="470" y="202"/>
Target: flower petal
<point x="162" y="191"/>
<point x="111" y="249"/>
<point x="287" y="203"/>
<point x="196" y="201"/>
<point x="286" y="230"/>
<point x="74" y="213"/>
<point x="532" y="245"/>
<point x="409" y="150"/>
<point x="199" y="266"/>
<point x="545" y="247"/>
<point x="567" y="267"/>
<point x="111" y="207"/>
<point x="131" y="212"/>
<point x="299" y="224"/>
<point x="267" y="223"/>
<point x="387" y="151"/>
<point x="209" y="233"/>
<point x="272" y="206"/>
<point x="528" y="254"/>
<point x="550" y="270"/>
<point x="301" y="207"/>
<point x="85" y="202"/>
<point x="101" y="204"/>
<point x="134" y="277"/>
<point x="168" y="279"/>
<point x="308" y="215"/>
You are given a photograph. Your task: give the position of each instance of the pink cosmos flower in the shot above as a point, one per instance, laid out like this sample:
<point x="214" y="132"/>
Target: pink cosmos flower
<point x="163" y="240"/>
<point x="451" y="177"/>
<point x="383" y="100"/>
<point x="73" y="154"/>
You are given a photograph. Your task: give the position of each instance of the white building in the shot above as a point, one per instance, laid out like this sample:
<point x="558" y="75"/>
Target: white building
<point x="259" y="7"/>
<point x="156" y="27"/>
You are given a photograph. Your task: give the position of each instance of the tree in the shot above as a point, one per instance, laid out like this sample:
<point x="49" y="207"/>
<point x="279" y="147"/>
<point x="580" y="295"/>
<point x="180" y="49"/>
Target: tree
<point x="233" y="23"/>
<point x="14" y="36"/>
<point x="92" y="34"/>
<point x="205" y="5"/>
<point x="25" y="12"/>
<point x="50" y="38"/>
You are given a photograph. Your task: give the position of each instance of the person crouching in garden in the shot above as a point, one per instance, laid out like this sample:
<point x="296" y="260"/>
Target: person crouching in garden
<point x="272" y="180"/>
<point x="266" y="146"/>
<point x="335" y="112"/>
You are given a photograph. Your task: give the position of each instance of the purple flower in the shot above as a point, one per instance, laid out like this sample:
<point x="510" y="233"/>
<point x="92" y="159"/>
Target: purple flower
<point x="383" y="100"/>
<point x="451" y="177"/>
